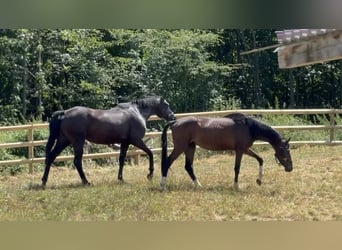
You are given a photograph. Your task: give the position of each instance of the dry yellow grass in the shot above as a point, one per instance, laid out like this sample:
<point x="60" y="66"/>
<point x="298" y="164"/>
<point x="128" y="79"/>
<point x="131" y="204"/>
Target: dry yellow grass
<point x="313" y="191"/>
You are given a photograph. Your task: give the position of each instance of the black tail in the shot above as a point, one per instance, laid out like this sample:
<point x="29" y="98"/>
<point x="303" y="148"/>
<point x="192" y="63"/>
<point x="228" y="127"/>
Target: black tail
<point x="54" y="128"/>
<point x="164" y="142"/>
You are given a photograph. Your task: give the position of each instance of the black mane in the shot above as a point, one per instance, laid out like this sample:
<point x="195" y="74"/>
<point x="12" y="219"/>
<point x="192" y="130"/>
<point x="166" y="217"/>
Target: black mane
<point x="262" y="131"/>
<point x="258" y="129"/>
<point x="147" y="101"/>
<point x="141" y="103"/>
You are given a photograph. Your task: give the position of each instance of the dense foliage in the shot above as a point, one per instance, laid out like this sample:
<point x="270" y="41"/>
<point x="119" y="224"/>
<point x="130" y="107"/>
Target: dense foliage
<point x="195" y="70"/>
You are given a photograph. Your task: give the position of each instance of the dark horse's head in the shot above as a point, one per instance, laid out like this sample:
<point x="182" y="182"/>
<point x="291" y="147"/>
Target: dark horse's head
<point x="283" y="155"/>
<point x="162" y="109"/>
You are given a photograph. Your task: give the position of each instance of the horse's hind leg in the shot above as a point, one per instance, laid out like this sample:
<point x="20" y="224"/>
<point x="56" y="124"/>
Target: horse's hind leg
<point x="189" y="159"/>
<point x="253" y="154"/>
<point x="78" y="154"/>
<point x="51" y="156"/>
<point x="166" y="165"/>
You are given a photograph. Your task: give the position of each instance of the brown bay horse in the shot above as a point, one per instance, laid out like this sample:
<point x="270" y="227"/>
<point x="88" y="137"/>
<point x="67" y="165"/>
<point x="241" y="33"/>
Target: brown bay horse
<point x="124" y="124"/>
<point x="233" y="132"/>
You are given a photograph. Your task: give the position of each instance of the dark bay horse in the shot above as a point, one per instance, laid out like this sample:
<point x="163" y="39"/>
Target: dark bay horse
<point x="233" y="132"/>
<point x="124" y="124"/>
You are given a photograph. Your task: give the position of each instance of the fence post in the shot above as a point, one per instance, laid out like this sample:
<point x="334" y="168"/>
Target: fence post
<point x="30" y="148"/>
<point x="136" y="159"/>
<point x="332" y="125"/>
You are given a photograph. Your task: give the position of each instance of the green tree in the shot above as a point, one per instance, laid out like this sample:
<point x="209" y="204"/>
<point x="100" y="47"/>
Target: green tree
<point x="177" y="64"/>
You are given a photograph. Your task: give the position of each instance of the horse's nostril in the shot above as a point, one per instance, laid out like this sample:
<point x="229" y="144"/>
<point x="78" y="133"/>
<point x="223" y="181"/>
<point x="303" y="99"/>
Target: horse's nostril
<point x="172" y="117"/>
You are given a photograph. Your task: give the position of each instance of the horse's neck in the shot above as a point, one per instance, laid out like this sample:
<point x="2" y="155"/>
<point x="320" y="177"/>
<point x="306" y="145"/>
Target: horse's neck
<point x="274" y="141"/>
<point x="146" y="113"/>
<point x="264" y="132"/>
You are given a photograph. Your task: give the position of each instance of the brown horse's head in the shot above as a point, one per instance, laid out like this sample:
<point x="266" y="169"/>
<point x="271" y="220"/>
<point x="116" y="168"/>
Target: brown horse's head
<point x="283" y="155"/>
<point x="163" y="110"/>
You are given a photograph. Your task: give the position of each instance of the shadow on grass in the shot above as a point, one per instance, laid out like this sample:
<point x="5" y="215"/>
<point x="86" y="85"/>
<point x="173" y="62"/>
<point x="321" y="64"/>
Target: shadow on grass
<point x="34" y="186"/>
<point x="75" y="185"/>
<point x="215" y="188"/>
<point x="219" y="188"/>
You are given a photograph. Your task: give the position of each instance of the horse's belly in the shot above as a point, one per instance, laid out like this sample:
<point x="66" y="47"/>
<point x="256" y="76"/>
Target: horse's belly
<point x="105" y="135"/>
<point x="212" y="142"/>
<point x="104" y="140"/>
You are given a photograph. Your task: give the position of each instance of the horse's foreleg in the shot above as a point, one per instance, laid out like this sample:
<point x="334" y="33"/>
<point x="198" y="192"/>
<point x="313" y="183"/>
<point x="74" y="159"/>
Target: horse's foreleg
<point x="238" y="157"/>
<point x="253" y="154"/>
<point x="151" y="165"/>
<point x="78" y="152"/>
<point x="122" y="157"/>
<point x="50" y="157"/>
<point x="139" y="143"/>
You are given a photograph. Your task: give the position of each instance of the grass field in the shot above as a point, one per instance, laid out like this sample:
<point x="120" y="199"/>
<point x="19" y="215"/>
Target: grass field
<point x="312" y="191"/>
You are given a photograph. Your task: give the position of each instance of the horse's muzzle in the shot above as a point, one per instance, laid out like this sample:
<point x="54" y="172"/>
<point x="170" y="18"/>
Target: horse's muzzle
<point x="288" y="168"/>
<point x="171" y="117"/>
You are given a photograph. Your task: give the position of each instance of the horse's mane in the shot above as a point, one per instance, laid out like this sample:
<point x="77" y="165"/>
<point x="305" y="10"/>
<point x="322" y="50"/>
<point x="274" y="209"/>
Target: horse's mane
<point x="258" y="129"/>
<point x="237" y="117"/>
<point x="141" y="103"/>
<point x="147" y="101"/>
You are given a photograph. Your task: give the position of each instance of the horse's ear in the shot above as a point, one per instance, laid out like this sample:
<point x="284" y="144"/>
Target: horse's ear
<point x="287" y="141"/>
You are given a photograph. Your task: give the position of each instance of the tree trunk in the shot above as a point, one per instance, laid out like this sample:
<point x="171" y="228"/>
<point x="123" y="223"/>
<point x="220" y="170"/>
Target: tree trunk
<point x="292" y="89"/>
<point x="40" y="81"/>
<point x="24" y="88"/>
<point x="256" y="80"/>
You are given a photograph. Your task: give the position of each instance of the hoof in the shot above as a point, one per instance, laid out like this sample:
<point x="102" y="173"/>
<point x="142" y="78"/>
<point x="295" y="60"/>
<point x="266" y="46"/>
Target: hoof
<point x="258" y="182"/>
<point x="197" y="183"/>
<point x="236" y="186"/>
<point x="122" y="181"/>
<point x="85" y="182"/>
<point x="149" y="176"/>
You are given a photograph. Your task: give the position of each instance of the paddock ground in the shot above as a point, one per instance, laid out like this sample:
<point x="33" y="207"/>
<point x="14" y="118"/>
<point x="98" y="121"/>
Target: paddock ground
<point x="311" y="192"/>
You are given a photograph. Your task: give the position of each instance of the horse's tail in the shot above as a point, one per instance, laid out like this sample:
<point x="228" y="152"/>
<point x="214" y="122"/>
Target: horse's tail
<point x="164" y="142"/>
<point x="54" y="127"/>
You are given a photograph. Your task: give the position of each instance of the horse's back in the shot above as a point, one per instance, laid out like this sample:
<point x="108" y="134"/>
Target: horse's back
<point x="76" y="115"/>
<point x="210" y="133"/>
<point x="96" y="125"/>
<point x="203" y="123"/>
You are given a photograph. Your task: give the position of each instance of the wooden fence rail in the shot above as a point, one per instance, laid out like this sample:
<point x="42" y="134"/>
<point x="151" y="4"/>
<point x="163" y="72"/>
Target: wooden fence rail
<point x="31" y="143"/>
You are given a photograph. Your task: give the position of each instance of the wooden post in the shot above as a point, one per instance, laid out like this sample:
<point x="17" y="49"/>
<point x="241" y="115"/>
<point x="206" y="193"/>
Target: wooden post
<point x="136" y="159"/>
<point x="332" y="124"/>
<point x="86" y="147"/>
<point x="30" y="155"/>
